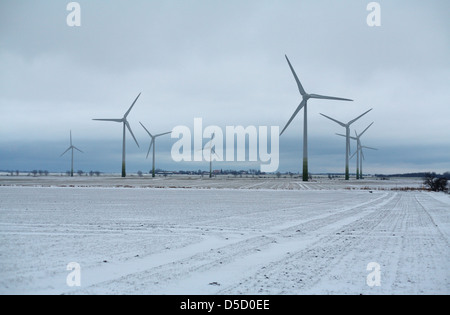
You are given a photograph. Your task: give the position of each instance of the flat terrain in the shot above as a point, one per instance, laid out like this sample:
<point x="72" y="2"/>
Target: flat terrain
<point x="220" y="182"/>
<point x="221" y="236"/>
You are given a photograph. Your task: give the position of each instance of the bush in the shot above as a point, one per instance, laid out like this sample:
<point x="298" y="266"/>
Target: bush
<point x="434" y="182"/>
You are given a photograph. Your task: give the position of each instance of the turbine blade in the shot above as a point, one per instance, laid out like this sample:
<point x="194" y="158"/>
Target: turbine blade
<point x="323" y="97"/>
<point x="77" y="149"/>
<point x="368" y="148"/>
<point x="65" y="151"/>
<point x="129" y="110"/>
<point x="146" y="130"/>
<point x="300" y="87"/>
<point x="353" y="154"/>
<point x="365" y="130"/>
<point x="150" y="147"/>
<point x="341" y="135"/>
<point x="302" y="104"/>
<point x="336" y="121"/>
<point x="352" y="121"/>
<point x="163" y="134"/>
<point x="129" y="129"/>
<point x="213" y="152"/>
<point x="115" y="120"/>
<point x="70" y="137"/>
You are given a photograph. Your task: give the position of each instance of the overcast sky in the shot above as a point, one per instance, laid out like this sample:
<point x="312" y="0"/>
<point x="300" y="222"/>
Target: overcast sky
<point x="223" y="61"/>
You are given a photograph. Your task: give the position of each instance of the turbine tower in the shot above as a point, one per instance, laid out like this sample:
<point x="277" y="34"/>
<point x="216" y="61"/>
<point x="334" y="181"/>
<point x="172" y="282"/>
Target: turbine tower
<point x="153" y="143"/>
<point x="347" y="136"/>
<point x="125" y="123"/>
<point x="211" y="152"/>
<point x="71" y="148"/>
<point x="303" y="104"/>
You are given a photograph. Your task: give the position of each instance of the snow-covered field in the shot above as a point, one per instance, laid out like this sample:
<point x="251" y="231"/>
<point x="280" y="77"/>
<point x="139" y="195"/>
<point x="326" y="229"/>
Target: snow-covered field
<point x="251" y="236"/>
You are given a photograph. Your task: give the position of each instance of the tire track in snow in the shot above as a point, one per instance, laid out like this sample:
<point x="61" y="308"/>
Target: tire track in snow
<point x="182" y="274"/>
<point x="424" y="253"/>
<point x="336" y="264"/>
<point x="303" y="269"/>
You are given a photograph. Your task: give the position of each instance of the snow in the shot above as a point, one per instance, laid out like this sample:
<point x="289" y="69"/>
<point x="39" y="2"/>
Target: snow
<point x="221" y="236"/>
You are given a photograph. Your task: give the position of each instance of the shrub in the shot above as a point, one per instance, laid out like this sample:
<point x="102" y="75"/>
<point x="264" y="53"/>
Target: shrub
<point x="435" y="182"/>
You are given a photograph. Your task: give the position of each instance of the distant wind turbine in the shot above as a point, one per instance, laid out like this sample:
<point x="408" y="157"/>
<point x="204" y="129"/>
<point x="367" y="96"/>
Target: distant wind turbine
<point x="211" y="152"/>
<point x="347" y="136"/>
<point x="360" y="146"/>
<point x="127" y="125"/>
<point x="303" y="104"/>
<point x="358" y="152"/>
<point x="71" y="148"/>
<point x="153" y="143"/>
<point x="363" y="158"/>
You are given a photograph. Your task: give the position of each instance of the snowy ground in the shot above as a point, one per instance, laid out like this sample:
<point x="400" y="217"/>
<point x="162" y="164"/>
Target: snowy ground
<point x="252" y="236"/>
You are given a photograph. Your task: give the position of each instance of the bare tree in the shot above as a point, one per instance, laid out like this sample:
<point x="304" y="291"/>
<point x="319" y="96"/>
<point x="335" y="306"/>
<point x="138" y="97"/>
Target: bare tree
<point x="435" y="182"/>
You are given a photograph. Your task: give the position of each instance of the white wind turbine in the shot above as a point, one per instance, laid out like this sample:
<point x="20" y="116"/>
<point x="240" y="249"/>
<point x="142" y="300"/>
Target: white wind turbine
<point x="125" y="125"/>
<point x="72" y="147"/>
<point x="361" y="158"/>
<point x="347" y="136"/>
<point x="211" y="152"/>
<point x="359" y="153"/>
<point x="303" y="104"/>
<point x="153" y="144"/>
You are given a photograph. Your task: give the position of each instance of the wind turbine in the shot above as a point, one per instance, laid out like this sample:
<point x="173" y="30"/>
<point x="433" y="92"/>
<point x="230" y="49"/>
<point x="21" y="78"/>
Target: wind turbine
<point x="361" y="159"/>
<point x="153" y="143"/>
<point x="71" y="148"/>
<point x="127" y="125"/>
<point x="211" y="152"/>
<point x="303" y="104"/>
<point x="347" y="136"/>
<point x="361" y="153"/>
<point x="358" y="152"/>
